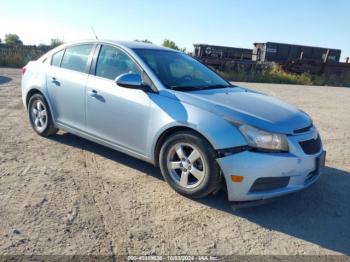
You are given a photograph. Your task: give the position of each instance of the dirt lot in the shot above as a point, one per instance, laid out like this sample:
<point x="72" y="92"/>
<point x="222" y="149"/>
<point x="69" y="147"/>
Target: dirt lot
<point x="66" y="195"/>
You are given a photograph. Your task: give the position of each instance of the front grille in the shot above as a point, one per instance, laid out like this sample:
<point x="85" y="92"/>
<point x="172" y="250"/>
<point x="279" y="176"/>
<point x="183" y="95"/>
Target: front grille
<point x="303" y="130"/>
<point x="311" y="146"/>
<point x="269" y="183"/>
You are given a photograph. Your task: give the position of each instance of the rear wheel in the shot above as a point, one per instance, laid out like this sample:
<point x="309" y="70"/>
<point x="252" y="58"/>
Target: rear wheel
<point x="40" y="116"/>
<point x="188" y="164"/>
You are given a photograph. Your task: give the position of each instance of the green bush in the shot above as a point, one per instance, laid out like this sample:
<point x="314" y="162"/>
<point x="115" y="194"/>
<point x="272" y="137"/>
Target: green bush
<point x="332" y="80"/>
<point x="275" y="74"/>
<point x="11" y="60"/>
<point x="18" y="59"/>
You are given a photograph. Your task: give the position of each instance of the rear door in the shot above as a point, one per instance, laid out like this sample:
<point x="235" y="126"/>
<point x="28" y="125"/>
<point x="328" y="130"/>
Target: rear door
<point x="66" y="82"/>
<point x="116" y="114"/>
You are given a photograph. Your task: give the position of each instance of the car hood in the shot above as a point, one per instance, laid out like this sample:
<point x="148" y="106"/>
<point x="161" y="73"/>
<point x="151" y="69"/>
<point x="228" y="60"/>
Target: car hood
<point x="241" y="105"/>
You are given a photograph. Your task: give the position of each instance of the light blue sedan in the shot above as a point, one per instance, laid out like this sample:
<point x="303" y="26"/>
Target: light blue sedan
<point x="166" y="108"/>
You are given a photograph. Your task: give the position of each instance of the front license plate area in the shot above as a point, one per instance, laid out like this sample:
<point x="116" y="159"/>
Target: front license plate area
<point x="319" y="164"/>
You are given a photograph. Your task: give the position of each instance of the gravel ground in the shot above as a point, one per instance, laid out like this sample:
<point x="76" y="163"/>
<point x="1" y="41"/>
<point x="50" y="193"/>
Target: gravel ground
<point x="66" y="195"/>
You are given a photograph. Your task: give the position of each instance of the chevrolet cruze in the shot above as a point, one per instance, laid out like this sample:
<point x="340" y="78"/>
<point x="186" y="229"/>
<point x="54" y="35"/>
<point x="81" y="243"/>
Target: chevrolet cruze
<point x="165" y="107"/>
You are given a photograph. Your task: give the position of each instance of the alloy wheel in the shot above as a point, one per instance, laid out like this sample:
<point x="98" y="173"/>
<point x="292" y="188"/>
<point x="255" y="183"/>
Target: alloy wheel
<point x="186" y="165"/>
<point x="38" y="115"/>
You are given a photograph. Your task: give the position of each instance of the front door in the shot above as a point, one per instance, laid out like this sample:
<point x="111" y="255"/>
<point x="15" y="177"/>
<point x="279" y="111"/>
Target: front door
<point x="116" y="114"/>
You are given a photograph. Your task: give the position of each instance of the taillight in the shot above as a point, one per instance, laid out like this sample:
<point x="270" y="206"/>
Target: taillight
<point x="24" y="70"/>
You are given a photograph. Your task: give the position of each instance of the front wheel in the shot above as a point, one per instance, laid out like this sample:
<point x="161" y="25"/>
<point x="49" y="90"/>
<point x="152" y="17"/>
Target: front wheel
<point x="188" y="164"/>
<point x="40" y="116"/>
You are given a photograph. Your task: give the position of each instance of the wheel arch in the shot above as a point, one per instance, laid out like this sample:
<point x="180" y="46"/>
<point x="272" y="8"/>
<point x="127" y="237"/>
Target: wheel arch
<point x="168" y="133"/>
<point x="34" y="91"/>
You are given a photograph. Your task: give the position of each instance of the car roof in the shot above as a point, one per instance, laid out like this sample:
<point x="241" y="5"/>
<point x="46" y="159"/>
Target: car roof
<point x="127" y="44"/>
<point x="131" y="45"/>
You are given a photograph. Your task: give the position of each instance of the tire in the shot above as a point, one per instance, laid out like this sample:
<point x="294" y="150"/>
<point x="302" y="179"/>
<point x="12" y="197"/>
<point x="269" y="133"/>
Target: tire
<point x="188" y="164"/>
<point x="40" y="116"/>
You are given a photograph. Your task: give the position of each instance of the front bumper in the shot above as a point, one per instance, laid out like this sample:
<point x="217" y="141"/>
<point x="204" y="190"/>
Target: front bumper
<point x="302" y="169"/>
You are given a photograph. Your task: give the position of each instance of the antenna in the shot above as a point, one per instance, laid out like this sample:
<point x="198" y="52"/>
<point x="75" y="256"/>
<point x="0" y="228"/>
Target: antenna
<point x="93" y="31"/>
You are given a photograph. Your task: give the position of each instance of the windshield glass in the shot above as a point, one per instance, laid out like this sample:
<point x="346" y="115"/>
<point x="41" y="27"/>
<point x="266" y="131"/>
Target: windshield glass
<point x="179" y="71"/>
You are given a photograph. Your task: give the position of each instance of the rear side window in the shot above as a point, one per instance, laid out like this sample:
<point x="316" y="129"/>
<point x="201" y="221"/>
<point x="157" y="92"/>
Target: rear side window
<point x="56" y="58"/>
<point x="76" y="57"/>
<point x="112" y="62"/>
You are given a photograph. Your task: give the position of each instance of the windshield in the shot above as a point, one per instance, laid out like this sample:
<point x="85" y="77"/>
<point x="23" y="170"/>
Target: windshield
<point x="179" y="71"/>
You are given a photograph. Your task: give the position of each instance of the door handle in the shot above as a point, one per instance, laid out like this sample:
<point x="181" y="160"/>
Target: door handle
<point x="92" y="92"/>
<point x="55" y="81"/>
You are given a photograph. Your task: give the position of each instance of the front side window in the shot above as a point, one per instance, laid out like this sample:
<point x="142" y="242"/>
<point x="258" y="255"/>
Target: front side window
<point x="56" y="58"/>
<point x="112" y="62"/>
<point x="179" y="71"/>
<point x="76" y="57"/>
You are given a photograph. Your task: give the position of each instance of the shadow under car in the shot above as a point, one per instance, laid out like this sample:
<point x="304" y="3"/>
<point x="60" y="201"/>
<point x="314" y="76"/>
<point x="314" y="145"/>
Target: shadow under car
<point x="319" y="214"/>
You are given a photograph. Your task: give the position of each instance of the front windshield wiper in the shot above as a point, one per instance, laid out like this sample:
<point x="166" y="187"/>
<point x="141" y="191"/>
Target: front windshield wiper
<point x="184" y="88"/>
<point x="196" y="88"/>
<point x="215" y="87"/>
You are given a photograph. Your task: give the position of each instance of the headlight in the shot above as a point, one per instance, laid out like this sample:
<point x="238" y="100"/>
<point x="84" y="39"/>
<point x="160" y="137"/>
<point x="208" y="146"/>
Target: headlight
<point x="264" y="140"/>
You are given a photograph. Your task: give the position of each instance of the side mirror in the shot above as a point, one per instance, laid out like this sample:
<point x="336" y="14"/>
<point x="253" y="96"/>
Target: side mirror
<point x="130" y="80"/>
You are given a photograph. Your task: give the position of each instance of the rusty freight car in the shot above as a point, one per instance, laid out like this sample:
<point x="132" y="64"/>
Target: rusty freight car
<point x="215" y="56"/>
<point x="278" y="52"/>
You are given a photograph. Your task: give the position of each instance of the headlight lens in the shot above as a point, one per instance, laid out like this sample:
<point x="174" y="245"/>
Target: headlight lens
<point x="263" y="140"/>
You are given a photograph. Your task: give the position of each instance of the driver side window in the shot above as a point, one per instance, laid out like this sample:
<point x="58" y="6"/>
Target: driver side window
<point x="113" y="62"/>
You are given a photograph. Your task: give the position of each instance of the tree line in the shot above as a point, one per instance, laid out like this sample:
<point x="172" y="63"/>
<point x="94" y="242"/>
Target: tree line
<point x="14" y="40"/>
<point x="166" y="43"/>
